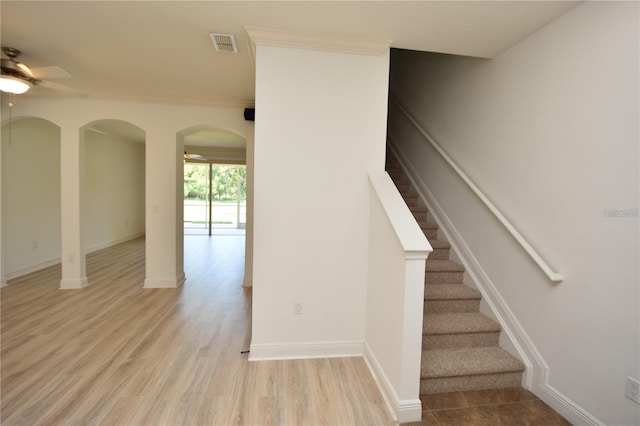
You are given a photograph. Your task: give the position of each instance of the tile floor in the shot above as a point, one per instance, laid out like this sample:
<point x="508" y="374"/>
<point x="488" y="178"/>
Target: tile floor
<point x="491" y="407"/>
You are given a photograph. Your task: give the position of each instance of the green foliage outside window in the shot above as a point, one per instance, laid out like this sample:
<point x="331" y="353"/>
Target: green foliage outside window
<point x="225" y="182"/>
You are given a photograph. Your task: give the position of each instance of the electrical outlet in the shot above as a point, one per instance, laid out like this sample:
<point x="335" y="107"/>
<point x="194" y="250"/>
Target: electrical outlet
<point x="633" y="390"/>
<point x="297" y="308"/>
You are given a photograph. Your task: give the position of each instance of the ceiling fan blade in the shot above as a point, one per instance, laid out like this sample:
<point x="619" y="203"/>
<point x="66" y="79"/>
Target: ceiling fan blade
<point x="48" y="73"/>
<point x="25" y="69"/>
<point x="194" y="156"/>
<point x="62" y="89"/>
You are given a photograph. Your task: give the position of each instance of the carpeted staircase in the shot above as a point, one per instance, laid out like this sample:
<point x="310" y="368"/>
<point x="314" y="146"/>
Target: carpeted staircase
<point x="459" y="344"/>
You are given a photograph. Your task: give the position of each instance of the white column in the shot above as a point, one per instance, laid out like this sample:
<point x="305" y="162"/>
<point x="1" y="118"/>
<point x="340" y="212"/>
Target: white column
<point x="164" y="233"/>
<point x="3" y="279"/>
<point x="74" y="275"/>
<point x="248" y="249"/>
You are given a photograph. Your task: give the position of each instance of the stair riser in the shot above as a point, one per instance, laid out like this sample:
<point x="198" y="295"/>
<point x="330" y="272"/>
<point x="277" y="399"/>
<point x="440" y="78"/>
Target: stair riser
<point x="421" y="217"/>
<point x="439" y="254"/>
<point x="444" y="277"/>
<point x="468" y="383"/>
<point x="430" y="233"/>
<point x="398" y="177"/>
<point x="419" y="210"/>
<point x="429" y="217"/>
<point x="412" y="201"/>
<point x="448" y="341"/>
<point x="451" y="306"/>
<point x="425" y="222"/>
<point x="406" y="189"/>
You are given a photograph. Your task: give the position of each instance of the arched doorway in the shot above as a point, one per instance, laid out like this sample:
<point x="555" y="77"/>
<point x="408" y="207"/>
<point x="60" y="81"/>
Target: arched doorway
<point x="30" y="196"/>
<point x="213" y="207"/>
<point x="114" y="188"/>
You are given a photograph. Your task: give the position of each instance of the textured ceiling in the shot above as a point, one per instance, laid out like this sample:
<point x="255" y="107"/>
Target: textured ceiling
<point x="160" y="51"/>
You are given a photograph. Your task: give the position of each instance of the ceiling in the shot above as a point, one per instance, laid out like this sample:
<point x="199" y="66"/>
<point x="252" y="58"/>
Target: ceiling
<point x="223" y="138"/>
<point x="160" y="51"/>
<point x="205" y="137"/>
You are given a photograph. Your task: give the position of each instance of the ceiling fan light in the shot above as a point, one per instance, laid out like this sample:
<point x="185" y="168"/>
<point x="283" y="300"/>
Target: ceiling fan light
<point x="10" y="84"/>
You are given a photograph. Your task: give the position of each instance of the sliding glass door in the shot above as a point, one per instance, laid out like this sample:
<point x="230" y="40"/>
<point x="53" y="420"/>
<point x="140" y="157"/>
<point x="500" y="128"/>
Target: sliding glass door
<point x="214" y="197"/>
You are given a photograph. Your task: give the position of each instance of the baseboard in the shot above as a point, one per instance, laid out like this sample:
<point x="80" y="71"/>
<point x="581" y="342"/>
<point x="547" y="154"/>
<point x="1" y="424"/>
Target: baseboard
<point x="165" y="282"/>
<point x="304" y="350"/>
<point x="537" y="371"/>
<point x="33" y="268"/>
<point x="571" y="411"/>
<point x="403" y="411"/>
<point x="56" y="260"/>
<point x="104" y="245"/>
<point x="73" y="283"/>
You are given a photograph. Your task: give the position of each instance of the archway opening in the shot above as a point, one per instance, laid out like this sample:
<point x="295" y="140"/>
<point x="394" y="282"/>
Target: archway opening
<point x="113" y="201"/>
<point x="214" y="199"/>
<point x="214" y="182"/>
<point x="30" y="231"/>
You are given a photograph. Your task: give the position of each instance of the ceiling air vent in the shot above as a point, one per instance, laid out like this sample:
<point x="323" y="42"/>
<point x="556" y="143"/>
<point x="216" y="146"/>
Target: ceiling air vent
<point x="224" y="42"/>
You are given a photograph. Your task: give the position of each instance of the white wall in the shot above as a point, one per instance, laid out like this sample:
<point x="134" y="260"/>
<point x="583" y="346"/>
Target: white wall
<point x="113" y="203"/>
<point x="549" y="131"/>
<point x="31" y="195"/>
<point x="320" y="129"/>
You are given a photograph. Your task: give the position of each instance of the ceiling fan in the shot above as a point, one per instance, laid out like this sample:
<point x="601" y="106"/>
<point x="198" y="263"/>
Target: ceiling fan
<point x="17" y="78"/>
<point x="194" y="157"/>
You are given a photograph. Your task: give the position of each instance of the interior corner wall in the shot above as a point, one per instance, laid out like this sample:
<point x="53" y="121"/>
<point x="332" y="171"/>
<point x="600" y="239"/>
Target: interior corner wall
<point x="549" y="131"/>
<point x="114" y="192"/>
<point x="319" y="131"/>
<point x="31" y="195"/>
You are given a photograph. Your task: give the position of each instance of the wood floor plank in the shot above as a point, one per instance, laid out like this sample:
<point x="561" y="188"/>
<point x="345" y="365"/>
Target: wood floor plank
<point x="115" y="353"/>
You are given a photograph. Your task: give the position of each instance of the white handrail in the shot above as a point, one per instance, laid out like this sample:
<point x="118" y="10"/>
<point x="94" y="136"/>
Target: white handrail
<point x="553" y="276"/>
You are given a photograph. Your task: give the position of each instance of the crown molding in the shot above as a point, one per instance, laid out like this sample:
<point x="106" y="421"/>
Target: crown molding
<point x="261" y="36"/>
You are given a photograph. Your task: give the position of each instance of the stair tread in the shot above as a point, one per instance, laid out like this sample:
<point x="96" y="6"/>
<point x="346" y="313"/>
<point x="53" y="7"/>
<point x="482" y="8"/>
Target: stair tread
<point x="402" y="186"/>
<point x="450" y="292"/>
<point x="468" y="361"/>
<point x="428" y="226"/>
<point x="439" y="244"/>
<point x="443" y="266"/>
<point x="398" y="177"/>
<point x="459" y="323"/>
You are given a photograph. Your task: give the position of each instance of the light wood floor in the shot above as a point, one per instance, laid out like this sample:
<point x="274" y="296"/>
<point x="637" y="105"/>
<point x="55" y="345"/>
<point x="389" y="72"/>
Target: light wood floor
<point x="114" y="353"/>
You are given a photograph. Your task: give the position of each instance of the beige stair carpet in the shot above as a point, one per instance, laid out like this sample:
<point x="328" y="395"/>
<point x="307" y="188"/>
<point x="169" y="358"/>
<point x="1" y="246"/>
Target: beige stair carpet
<point x="460" y="346"/>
